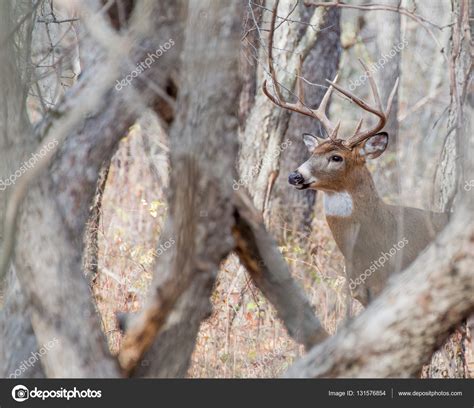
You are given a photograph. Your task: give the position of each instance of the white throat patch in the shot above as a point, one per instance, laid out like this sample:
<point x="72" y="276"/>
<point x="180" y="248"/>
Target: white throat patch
<point x="338" y="204"/>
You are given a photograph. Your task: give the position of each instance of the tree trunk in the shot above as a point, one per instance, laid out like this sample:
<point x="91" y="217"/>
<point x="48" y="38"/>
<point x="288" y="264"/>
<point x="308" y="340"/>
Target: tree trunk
<point x="454" y="171"/>
<point x="203" y="146"/>
<point x="249" y="58"/>
<point x="201" y="219"/>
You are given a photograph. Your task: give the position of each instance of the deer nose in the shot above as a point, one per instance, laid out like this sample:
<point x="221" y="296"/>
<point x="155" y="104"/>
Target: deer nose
<point x="295" y="178"/>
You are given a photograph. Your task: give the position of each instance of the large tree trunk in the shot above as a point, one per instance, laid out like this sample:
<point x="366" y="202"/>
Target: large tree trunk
<point x="201" y="219"/>
<point x="384" y="26"/>
<point x="203" y="145"/>
<point x="18" y="343"/>
<point x="454" y="171"/>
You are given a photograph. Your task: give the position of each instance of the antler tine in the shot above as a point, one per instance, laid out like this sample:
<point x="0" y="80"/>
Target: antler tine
<point x="359" y="125"/>
<point x="373" y="86"/>
<point x="359" y="135"/>
<point x="327" y="95"/>
<point x="333" y="134"/>
<point x="390" y="98"/>
<point x="321" y="111"/>
<point x="364" y="105"/>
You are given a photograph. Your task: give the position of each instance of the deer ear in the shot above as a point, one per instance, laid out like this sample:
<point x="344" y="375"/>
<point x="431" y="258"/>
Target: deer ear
<point x="374" y="146"/>
<point x="310" y="141"/>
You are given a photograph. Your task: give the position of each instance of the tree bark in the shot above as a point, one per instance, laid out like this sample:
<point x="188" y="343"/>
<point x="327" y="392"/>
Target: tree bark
<point x="203" y="146"/>
<point x="249" y="58"/>
<point x="385" y="27"/>
<point x="91" y="237"/>
<point x="454" y="171"/>
<point x="170" y="354"/>
<point x="18" y="342"/>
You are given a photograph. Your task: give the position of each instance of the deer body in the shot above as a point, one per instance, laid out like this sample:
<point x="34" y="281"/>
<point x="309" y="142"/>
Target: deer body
<point x="376" y="239"/>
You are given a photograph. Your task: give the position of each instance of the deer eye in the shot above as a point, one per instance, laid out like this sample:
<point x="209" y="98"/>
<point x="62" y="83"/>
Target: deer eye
<point x="335" y="158"/>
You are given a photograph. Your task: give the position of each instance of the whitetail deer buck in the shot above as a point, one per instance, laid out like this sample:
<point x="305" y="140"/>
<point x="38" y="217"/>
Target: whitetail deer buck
<point x="363" y="226"/>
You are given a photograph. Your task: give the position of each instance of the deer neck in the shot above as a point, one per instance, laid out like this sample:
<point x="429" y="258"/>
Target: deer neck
<point x="349" y="213"/>
<point x="359" y="200"/>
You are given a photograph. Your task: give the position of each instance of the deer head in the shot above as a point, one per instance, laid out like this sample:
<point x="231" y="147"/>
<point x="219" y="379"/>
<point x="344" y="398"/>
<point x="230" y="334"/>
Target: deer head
<point x="332" y="166"/>
<point x="333" y="161"/>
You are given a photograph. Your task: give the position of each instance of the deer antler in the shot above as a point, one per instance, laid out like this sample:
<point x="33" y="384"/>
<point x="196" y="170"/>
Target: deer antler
<point x="382" y="114"/>
<point x="320" y="113"/>
<point x="299" y="106"/>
